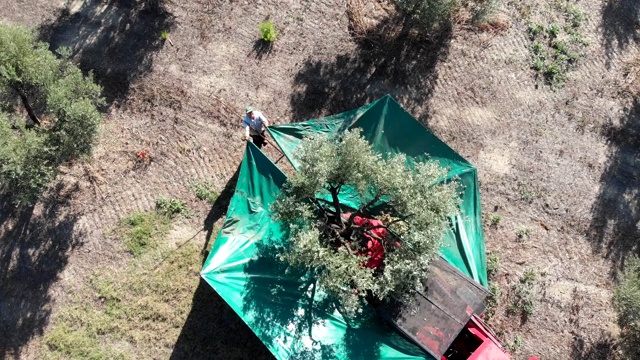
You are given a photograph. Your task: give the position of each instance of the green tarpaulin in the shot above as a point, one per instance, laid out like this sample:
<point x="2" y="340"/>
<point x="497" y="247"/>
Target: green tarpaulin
<point x="274" y="300"/>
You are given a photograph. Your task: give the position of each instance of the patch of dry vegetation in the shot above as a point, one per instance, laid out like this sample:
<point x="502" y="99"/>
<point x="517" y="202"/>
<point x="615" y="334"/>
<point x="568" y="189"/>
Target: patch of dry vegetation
<point x="632" y="76"/>
<point x="134" y="312"/>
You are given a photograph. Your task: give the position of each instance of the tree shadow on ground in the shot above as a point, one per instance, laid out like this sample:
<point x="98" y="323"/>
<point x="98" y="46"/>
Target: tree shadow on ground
<point x="34" y="247"/>
<point x="604" y="348"/>
<point x="615" y="225"/>
<point x="219" y="209"/>
<point x="621" y="24"/>
<point x="214" y="331"/>
<point x="390" y="58"/>
<point x="116" y="39"/>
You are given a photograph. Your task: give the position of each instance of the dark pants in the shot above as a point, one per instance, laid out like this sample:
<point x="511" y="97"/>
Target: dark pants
<point x="259" y="140"/>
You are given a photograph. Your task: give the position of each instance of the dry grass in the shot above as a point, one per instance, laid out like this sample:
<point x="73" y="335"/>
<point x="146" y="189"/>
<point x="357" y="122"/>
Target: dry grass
<point x="632" y="76"/>
<point x="135" y="312"/>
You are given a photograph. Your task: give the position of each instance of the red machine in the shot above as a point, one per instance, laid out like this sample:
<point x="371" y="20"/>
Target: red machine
<point x="443" y="320"/>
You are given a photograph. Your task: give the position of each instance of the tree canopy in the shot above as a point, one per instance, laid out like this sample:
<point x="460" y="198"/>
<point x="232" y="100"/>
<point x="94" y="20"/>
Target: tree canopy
<point x="381" y="248"/>
<point x="48" y="113"/>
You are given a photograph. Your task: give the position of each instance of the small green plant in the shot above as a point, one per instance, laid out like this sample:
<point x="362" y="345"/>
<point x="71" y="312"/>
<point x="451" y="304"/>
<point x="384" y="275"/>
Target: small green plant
<point x="492" y="301"/>
<point x="205" y="190"/>
<point x="495" y="219"/>
<point x="524" y="295"/>
<point x="554" y="31"/>
<point x="172" y="207"/>
<point x="268" y="31"/>
<point x="537" y="48"/>
<point x="554" y="73"/>
<point x="627" y="303"/>
<point x="526" y="193"/>
<point x="535" y="30"/>
<point x="538" y="64"/>
<point x="523" y="233"/>
<point x="556" y="48"/>
<point x="142" y="231"/>
<point x="560" y="47"/>
<point x="493" y="264"/>
<point x="164" y="34"/>
<point x="515" y="345"/>
<point x="574" y="16"/>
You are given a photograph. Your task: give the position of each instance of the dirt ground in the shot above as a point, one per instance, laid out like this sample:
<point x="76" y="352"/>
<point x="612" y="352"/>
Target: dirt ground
<point x="561" y="162"/>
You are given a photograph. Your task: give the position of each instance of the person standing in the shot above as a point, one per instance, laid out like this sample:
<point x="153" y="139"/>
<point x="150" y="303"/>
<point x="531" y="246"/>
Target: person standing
<point x="255" y="126"/>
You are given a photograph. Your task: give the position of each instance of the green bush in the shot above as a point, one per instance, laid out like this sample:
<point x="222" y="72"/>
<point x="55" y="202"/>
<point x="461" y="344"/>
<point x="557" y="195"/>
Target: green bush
<point x="172" y="207"/>
<point x="429" y="14"/>
<point x="557" y="47"/>
<point x="433" y="15"/>
<point x="524" y="295"/>
<point x="205" y="190"/>
<point x="492" y="301"/>
<point x="268" y="31"/>
<point x="627" y="302"/>
<point x="493" y="264"/>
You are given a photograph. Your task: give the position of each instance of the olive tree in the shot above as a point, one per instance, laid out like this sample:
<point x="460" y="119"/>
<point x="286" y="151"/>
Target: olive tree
<point x="400" y="220"/>
<point x="48" y="113"/>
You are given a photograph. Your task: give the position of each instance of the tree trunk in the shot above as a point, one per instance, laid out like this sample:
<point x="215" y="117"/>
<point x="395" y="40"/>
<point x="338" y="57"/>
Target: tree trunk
<point x="336" y="204"/>
<point x="27" y="106"/>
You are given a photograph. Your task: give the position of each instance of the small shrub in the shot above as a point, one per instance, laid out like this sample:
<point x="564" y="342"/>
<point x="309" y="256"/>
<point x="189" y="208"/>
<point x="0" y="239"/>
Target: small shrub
<point x="141" y="231"/>
<point x="526" y="193"/>
<point x="537" y="48"/>
<point x="523" y="233"/>
<point x="560" y="47"/>
<point x="574" y="15"/>
<point x="429" y="14"/>
<point x="554" y="30"/>
<point x="556" y="48"/>
<point x="268" y="31"/>
<point x="627" y="302"/>
<point x="164" y="34"/>
<point x="515" y="345"/>
<point x="205" y="190"/>
<point x="492" y="301"/>
<point x="554" y="73"/>
<point x="535" y="30"/>
<point x="524" y="295"/>
<point x="493" y="265"/>
<point x="172" y="207"/>
<point x="495" y="219"/>
<point x="538" y="64"/>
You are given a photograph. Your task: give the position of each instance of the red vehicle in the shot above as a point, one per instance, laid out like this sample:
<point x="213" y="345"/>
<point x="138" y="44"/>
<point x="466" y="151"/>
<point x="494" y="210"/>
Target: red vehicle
<point x="444" y="320"/>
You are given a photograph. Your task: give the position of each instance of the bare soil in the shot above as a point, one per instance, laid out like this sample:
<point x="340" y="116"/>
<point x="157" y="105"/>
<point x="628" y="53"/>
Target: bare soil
<point x="562" y="162"/>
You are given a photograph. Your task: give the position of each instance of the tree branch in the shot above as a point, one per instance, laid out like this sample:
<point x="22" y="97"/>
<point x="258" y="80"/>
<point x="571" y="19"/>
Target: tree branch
<point x="361" y="210"/>
<point x="324" y="209"/>
<point x="309" y="314"/>
<point x="386" y="226"/>
<point x="25" y="102"/>
<point x="346" y="244"/>
<point x="336" y="203"/>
